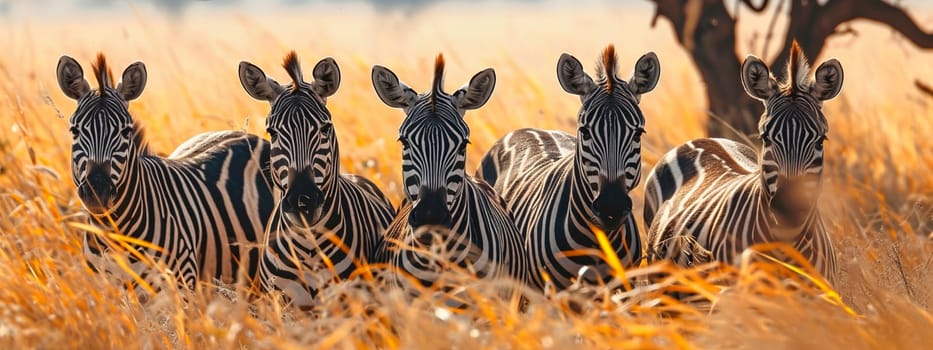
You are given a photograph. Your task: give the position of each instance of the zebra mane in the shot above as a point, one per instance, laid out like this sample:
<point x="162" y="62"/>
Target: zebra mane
<point x="437" y="88"/>
<point x="102" y="72"/>
<point x="607" y="66"/>
<point x="797" y="71"/>
<point x="139" y="138"/>
<point x="293" y="68"/>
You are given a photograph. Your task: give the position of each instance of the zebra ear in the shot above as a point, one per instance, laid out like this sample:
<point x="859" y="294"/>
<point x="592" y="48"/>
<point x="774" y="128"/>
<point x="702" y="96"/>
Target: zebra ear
<point x="757" y="80"/>
<point x="475" y="94"/>
<point x="572" y="77"/>
<point x="326" y="77"/>
<point x="828" y="80"/>
<point x="257" y="84"/>
<point x="647" y="73"/>
<point x="133" y="81"/>
<point x="391" y="91"/>
<point x="71" y="78"/>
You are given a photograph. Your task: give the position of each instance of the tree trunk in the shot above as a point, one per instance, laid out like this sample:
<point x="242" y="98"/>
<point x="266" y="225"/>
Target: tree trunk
<point x="733" y="114"/>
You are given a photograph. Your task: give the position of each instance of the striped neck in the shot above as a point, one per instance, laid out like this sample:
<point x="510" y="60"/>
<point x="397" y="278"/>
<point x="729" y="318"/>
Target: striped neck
<point x="580" y="194"/>
<point x="129" y="196"/>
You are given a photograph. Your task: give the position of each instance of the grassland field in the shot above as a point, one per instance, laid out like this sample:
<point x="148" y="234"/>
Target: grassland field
<point x="877" y="195"/>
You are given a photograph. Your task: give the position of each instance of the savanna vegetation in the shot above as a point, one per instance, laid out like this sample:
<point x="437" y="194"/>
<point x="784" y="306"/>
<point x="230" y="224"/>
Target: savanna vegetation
<point x="877" y="195"/>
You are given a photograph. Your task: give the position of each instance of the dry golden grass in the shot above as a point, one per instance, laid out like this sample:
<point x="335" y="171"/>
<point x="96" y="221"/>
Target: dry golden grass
<point x="878" y="193"/>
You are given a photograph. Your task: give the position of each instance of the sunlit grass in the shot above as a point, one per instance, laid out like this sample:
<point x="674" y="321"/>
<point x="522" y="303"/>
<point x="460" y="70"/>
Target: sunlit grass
<point x="877" y="198"/>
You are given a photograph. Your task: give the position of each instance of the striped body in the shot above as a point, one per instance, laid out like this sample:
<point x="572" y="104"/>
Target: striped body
<point x="481" y="237"/>
<point x="534" y="172"/>
<point x="204" y="207"/>
<point x="560" y="187"/>
<point x="299" y="260"/>
<point x="468" y="218"/>
<point x="326" y="223"/>
<point x="710" y="199"/>
<point x="704" y="201"/>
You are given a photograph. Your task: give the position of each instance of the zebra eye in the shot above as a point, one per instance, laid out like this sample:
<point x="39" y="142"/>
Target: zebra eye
<point x="326" y="128"/>
<point x="819" y="143"/>
<point x="74" y="131"/>
<point x="403" y="141"/>
<point x="126" y="132"/>
<point x="271" y="132"/>
<point x="584" y="132"/>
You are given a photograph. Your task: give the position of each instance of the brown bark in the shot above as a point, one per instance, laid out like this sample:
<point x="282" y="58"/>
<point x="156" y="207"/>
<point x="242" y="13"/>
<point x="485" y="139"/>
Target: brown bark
<point x="711" y="43"/>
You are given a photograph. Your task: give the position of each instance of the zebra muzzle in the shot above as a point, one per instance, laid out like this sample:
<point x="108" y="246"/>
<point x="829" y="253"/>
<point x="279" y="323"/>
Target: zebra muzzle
<point x="96" y="192"/>
<point x="794" y="199"/>
<point x="302" y="204"/>
<point x="611" y="207"/>
<point x="430" y="209"/>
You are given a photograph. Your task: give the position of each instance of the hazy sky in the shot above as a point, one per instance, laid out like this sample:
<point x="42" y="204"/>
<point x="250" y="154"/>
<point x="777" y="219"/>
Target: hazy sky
<point x="47" y="8"/>
<point x="50" y="9"/>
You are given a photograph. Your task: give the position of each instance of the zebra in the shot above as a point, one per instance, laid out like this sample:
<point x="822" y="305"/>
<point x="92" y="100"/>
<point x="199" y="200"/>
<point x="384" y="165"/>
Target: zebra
<point x="560" y="190"/>
<point x="326" y="224"/>
<point x="710" y="199"/>
<point x="440" y="196"/>
<point x="201" y="209"/>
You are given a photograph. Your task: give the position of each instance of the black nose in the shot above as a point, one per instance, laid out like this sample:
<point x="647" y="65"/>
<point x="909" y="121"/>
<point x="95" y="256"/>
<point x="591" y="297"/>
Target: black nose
<point x="97" y="189"/>
<point x="430" y="210"/>
<point x="612" y="206"/>
<point x="303" y="196"/>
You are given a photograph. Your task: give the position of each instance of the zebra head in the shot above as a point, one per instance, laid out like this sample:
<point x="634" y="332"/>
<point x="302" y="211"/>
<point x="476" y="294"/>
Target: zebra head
<point x="434" y="138"/>
<point x="793" y="130"/>
<point x="304" y="148"/>
<point x="104" y="137"/>
<point x="610" y="126"/>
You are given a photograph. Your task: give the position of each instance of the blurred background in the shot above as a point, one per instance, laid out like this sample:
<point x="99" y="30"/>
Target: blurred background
<point x="192" y="49"/>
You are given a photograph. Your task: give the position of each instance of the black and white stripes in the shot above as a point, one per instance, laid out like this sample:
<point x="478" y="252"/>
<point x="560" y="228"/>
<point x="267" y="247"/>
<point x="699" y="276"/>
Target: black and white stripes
<point x="533" y="213"/>
<point x="326" y="223"/>
<point x="710" y="199"/>
<point x="204" y="206"/>
<point x="559" y="187"/>
<point x="440" y="196"/>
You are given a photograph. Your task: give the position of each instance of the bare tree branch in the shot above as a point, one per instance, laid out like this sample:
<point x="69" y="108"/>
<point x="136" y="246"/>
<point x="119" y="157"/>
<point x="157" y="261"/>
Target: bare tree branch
<point x="707" y="31"/>
<point x="673" y="10"/>
<point x="770" y="34"/>
<point x="924" y="88"/>
<point x="896" y="18"/>
<point x="759" y="8"/>
<point x="811" y="24"/>
<point x="845" y="30"/>
<point x="693" y="10"/>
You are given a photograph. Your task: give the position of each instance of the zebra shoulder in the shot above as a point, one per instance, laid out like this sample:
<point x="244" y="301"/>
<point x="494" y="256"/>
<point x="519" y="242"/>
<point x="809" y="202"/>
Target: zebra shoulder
<point x="370" y="189"/>
<point x="488" y="191"/>
<point x="734" y="155"/>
